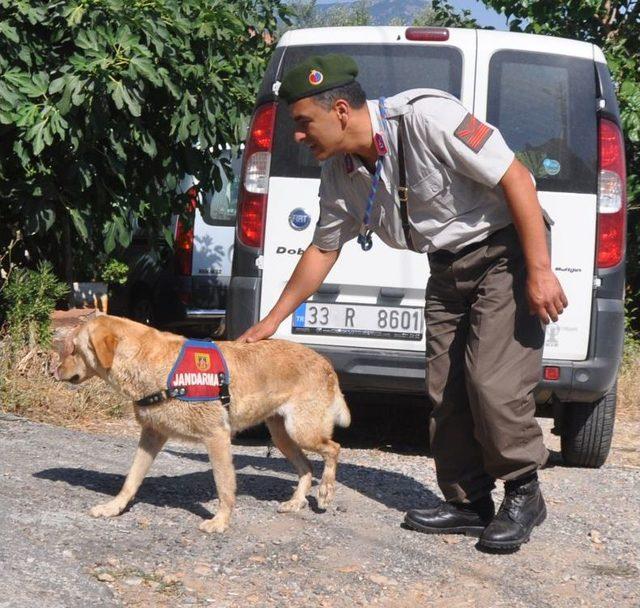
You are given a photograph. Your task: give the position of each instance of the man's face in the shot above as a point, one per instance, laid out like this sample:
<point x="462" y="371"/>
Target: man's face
<point x="320" y="129"/>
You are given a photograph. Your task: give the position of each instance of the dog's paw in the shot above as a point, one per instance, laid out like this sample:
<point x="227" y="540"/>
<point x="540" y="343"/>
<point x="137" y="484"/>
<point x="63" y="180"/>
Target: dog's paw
<point x="326" y="492"/>
<point x="215" y="525"/>
<point x="108" y="509"/>
<point x="293" y="505"/>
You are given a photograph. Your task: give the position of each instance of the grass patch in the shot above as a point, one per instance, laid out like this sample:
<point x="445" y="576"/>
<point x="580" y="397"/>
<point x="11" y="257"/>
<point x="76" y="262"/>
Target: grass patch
<point x="628" y="407"/>
<point x="28" y="389"/>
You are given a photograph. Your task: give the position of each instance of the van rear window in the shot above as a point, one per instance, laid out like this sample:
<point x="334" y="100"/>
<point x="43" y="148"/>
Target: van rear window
<point x="545" y="107"/>
<point x="384" y="70"/>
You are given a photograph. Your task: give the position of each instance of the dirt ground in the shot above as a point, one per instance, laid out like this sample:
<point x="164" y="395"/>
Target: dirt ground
<point x="53" y="554"/>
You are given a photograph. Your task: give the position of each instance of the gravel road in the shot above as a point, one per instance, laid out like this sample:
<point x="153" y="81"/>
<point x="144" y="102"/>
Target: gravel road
<point x="52" y="553"/>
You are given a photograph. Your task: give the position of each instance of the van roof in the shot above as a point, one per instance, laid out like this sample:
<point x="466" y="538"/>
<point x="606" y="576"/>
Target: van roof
<point x="394" y="34"/>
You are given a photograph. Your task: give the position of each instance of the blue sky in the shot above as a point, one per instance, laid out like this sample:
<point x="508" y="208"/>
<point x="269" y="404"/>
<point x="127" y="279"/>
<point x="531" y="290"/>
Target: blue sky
<point x="484" y="15"/>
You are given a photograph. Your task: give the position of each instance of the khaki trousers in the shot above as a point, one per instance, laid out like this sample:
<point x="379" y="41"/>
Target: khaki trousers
<point x="484" y="354"/>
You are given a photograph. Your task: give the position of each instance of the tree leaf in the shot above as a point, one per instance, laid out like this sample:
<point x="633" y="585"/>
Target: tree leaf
<point x="79" y="223"/>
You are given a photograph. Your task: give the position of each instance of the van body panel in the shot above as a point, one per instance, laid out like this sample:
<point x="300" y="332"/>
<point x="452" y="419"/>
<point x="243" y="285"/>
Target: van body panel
<point x="523" y="63"/>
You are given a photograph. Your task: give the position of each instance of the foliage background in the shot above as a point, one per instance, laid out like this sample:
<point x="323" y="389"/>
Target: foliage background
<point x="105" y="105"/>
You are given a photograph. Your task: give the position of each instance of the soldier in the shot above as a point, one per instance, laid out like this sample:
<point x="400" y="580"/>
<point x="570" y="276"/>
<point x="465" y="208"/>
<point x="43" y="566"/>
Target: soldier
<point x="472" y="207"/>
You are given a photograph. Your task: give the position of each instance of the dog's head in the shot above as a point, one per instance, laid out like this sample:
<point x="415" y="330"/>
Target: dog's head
<point x="87" y="351"/>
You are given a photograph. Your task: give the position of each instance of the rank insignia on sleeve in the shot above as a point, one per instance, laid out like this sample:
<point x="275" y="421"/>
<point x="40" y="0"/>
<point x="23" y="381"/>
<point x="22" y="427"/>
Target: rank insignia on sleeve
<point x="473" y="133"/>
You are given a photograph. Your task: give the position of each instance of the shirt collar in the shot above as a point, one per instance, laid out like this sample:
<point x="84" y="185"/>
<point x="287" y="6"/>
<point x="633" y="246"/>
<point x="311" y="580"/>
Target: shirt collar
<point x="352" y="163"/>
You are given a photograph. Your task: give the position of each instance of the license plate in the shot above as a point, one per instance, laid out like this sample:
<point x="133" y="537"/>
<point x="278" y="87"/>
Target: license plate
<point x="361" y="320"/>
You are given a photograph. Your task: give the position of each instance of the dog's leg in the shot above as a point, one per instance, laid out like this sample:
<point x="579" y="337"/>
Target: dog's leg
<point x="295" y="455"/>
<point x="218" y="445"/>
<point x="329" y="451"/>
<point x="151" y="442"/>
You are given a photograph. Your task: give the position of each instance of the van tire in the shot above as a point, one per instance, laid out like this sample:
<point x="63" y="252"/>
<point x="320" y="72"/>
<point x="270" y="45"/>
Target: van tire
<point x="587" y="430"/>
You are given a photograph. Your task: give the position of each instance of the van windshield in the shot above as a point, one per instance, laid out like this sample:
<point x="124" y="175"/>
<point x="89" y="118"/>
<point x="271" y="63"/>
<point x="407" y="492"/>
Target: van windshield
<point x="545" y="107"/>
<point x="384" y="70"/>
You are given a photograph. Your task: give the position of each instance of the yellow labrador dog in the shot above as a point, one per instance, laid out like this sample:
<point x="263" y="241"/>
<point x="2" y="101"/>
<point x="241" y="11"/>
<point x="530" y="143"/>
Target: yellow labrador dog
<point x="286" y="385"/>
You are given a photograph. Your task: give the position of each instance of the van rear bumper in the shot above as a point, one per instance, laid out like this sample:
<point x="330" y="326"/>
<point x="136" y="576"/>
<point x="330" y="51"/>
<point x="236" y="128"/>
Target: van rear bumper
<point x="375" y="370"/>
<point x="402" y="372"/>
<point x="588" y="380"/>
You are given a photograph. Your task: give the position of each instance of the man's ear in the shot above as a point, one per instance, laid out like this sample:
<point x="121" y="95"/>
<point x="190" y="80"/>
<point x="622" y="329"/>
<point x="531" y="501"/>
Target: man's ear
<point x="104" y="344"/>
<point x="343" y="110"/>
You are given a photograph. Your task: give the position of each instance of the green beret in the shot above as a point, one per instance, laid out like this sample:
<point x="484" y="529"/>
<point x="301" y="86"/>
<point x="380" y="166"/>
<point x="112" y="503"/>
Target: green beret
<point x="317" y="74"/>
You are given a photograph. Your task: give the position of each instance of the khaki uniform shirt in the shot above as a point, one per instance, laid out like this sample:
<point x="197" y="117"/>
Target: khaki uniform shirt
<point x="453" y="165"/>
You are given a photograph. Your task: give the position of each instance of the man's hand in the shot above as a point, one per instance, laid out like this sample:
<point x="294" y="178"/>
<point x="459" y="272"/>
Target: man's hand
<point x="545" y="295"/>
<point x="260" y="331"/>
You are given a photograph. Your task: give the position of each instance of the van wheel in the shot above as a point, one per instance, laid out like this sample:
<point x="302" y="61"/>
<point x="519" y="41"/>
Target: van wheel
<point x="587" y="430"/>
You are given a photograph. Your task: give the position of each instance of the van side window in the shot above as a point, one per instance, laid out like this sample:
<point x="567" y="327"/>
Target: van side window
<point x="545" y="107"/>
<point x="384" y="70"/>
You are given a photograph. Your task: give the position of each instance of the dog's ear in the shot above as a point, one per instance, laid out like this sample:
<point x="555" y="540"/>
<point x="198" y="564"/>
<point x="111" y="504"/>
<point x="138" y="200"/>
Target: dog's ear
<point x="104" y="343"/>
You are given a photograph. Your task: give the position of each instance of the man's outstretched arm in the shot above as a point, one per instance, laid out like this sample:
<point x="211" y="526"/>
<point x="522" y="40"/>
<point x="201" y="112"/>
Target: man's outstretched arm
<point x="311" y="270"/>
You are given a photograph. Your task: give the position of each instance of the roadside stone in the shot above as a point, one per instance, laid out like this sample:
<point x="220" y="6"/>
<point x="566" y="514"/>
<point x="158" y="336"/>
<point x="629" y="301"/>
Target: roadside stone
<point x="451" y="539"/>
<point x="596" y="537"/>
<point x="202" y="570"/>
<point x="105" y="577"/>
<point x="132" y="581"/>
<point x="382" y="580"/>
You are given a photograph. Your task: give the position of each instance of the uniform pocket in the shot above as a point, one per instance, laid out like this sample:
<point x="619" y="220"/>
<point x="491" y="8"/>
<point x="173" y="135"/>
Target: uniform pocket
<point x="433" y="189"/>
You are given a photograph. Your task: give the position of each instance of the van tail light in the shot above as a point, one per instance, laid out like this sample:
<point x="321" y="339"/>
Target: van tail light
<point x="183" y="248"/>
<point x="427" y="34"/>
<point x="612" y="195"/>
<point x="254" y="183"/>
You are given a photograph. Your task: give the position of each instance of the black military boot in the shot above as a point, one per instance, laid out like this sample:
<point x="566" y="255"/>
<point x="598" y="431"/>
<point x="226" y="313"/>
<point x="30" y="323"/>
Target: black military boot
<point x="452" y="517"/>
<point x="521" y="510"/>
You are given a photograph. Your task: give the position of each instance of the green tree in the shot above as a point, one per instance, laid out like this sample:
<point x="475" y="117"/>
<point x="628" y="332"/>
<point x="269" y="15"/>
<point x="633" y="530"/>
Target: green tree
<point x="443" y="14"/>
<point x="106" y="104"/>
<point x="305" y="13"/>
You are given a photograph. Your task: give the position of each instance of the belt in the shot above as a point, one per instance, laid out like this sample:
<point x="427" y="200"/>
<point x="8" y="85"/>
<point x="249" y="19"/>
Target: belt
<point x="442" y="256"/>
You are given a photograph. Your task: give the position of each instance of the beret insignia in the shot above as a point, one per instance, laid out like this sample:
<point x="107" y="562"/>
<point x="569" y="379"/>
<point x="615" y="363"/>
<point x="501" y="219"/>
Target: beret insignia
<point x="315" y="77"/>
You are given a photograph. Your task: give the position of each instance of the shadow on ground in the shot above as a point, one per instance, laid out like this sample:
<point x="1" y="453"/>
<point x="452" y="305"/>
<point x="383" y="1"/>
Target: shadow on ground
<point x="187" y="491"/>
<point x="390" y="423"/>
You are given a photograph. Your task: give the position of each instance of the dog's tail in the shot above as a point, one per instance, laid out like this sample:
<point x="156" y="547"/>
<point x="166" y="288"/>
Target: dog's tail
<point x="341" y="413"/>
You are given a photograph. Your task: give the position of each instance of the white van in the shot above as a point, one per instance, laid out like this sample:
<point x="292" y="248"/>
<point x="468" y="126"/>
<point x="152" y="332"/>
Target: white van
<point x="554" y="102"/>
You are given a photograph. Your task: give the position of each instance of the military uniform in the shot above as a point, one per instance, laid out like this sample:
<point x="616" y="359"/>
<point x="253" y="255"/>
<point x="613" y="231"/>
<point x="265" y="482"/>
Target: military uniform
<point x="484" y="350"/>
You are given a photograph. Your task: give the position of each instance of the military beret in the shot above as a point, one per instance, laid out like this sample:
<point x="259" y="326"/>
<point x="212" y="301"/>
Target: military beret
<point x="317" y="74"/>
